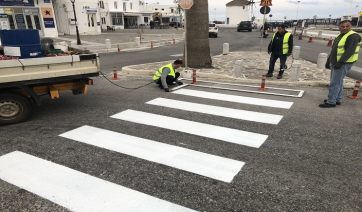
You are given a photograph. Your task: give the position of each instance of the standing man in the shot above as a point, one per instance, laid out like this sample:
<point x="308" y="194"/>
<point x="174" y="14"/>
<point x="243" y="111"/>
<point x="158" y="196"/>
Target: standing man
<point x="264" y="29"/>
<point x="166" y="75"/>
<point x="280" y="46"/>
<point x="343" y="55"/>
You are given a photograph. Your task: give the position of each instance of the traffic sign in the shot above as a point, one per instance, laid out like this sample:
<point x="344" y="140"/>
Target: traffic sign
<point x="267" y="10"/>
<point x="186" y="4"/>
<point x="266" y="3"/>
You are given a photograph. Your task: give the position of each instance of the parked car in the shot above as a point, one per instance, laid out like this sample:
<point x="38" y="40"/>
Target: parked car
<point x="244" y="25"/>
<point x="213" y="30"/>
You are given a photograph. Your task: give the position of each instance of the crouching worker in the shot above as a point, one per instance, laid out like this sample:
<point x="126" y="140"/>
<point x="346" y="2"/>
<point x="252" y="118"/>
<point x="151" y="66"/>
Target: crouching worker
<point x="167" y="75"/>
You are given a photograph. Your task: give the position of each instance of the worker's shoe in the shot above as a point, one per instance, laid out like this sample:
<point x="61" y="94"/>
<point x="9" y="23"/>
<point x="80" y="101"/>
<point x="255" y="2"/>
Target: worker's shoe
<point x="327" y="105"/>
<point x="160" y="86"/>
<point x="337" y="103"/>
<point x="280" y="76"/>
<point x="269" y="75"/>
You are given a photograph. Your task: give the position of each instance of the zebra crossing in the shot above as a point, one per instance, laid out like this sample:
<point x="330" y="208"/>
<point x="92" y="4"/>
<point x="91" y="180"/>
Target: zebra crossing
<point x="74" y="192"/>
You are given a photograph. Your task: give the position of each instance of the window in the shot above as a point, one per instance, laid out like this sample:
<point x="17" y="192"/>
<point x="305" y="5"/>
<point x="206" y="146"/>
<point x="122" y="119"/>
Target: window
<point x="124" y="7"/>
<point x="243" y="7"/>
<point x="171" y="10"/>
<point x="156" y="8"/>
<point x="103" y="20"/>
<point x="145" y="19"/>
<point x="115" y="5"/>
<point x="130" y="6"/>
<point x="101" y="4"/>
<point x="162" y="9"/>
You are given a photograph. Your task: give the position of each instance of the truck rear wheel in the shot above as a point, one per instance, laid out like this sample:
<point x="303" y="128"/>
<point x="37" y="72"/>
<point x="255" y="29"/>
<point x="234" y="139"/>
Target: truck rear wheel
<point x="14" y="108"/>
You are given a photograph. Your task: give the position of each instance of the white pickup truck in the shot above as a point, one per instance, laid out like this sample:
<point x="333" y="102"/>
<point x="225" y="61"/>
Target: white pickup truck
<point x="23" y="81"/>
<point x="213" y="30"/>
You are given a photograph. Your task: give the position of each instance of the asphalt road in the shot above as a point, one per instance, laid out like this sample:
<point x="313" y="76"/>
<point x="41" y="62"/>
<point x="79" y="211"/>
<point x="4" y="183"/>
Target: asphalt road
<point x="311" y="160"/>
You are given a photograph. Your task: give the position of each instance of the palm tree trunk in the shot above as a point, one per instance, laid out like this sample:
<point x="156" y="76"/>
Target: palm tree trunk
<point x="197" y="35"/>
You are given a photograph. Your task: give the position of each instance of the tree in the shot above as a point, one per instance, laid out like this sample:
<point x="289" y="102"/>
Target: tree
<point x="197" y="35"/>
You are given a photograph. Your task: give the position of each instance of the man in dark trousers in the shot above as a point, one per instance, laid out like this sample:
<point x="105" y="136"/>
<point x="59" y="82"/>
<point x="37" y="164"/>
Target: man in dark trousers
<point x="264" y="30"/>
<point x="280" y="46"/>
<point x="167" y="75"/>
<point x="343" y="55"/>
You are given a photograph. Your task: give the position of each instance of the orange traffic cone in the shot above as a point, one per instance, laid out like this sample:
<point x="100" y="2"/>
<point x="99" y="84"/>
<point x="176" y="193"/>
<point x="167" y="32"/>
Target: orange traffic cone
<point x="330" y="42"/>
<point x="310" y="39"/>
<point x="300" y="36"/>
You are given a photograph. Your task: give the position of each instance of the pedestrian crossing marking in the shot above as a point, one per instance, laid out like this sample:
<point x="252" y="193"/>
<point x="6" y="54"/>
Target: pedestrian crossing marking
<point x="207" y="165"/>
<point x="237" y="99"/>
<point x="176" y="55"/>
<point x="219" y="111"/>
<point x="206" y="130"/>
<point x="75" y="190"/>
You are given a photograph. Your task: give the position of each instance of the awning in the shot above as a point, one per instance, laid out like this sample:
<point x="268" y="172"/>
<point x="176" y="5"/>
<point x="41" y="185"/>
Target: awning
<point x="132" y="14"/>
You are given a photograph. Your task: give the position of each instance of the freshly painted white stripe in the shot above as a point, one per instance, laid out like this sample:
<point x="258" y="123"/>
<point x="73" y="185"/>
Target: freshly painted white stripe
<point x="75" y="190"/>
<point x="176" y="55"/>
<point x="219" y="111"/>
<point x="233" y="98"/>
<point x="207" y="165"/>
<point x="191" y="127"/>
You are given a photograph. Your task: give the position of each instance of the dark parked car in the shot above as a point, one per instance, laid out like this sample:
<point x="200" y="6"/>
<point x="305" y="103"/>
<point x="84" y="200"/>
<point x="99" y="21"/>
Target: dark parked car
<point x="245" y="25"/>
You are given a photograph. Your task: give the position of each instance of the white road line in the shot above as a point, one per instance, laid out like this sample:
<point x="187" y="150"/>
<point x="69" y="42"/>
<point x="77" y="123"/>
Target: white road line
<point x="218" y="111"/>
<point x="233" y="98"/>
<point x="207" y="165"/>
<point x="75" y="190"/>
<point x="176" y="55"/>
<point x="191" y="127"/>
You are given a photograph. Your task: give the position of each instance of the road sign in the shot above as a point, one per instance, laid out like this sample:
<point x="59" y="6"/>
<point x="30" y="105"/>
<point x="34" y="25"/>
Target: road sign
<point x="262" y="9"/>
<point x="186" y="4"/>
<point x="266" y="3"/>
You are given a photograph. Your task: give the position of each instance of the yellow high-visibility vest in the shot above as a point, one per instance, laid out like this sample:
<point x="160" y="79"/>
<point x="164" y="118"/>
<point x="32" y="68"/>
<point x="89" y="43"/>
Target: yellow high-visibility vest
<point x="285" y="42"/>
<point x="340" y="47"/>
<point x="158" y="73"/>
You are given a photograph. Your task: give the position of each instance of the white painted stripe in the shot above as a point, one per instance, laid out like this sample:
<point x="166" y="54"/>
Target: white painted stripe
<point x="176" y="55"/>
<point x="207" y="165"/>
<point x="191" y="127"/>
<point x="75" y="190"/>
<point x="218" y="111"/>
<point x="233" y="98"/>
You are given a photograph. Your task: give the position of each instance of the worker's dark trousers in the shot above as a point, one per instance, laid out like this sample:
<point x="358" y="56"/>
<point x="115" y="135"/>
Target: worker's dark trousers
<point x="169" y="79"/>
<point x="273" y="58"/>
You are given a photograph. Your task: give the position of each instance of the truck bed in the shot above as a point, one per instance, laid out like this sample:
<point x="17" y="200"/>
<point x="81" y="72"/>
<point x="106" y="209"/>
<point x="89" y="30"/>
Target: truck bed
<point x="41" y="70"/>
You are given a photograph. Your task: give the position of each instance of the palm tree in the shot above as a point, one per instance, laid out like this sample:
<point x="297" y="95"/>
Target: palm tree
<point x="197" y="35"/>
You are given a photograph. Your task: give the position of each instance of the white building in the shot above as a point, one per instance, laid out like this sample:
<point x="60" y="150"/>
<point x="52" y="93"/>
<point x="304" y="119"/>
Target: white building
<point x="236" y="11"/>
<point x="170" y="13"/>
<point x="29" y="14"/>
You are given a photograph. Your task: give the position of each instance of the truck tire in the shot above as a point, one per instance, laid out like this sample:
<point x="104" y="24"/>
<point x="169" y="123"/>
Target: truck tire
<point x="14" y="108"/>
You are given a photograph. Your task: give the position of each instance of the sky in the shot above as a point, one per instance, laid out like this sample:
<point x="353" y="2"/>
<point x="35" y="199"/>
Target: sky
<point x="288" y="8"/>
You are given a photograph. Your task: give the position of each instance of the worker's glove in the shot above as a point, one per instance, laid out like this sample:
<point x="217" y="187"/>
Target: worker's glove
<point x="180" y="83"/>
<point x="338" y="65"/>
<point x="167" y="90"/>
<point x="269" y="52"/>
<point x="328" y="65"/>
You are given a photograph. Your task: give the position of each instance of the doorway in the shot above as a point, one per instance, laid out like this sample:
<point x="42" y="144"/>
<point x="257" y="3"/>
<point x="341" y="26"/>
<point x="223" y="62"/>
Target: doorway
<point x="91" y="22"/>
<point x="33" y="22"/>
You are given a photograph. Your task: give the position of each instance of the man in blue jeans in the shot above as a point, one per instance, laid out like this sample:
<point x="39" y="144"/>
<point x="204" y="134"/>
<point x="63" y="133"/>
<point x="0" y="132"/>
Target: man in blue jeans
<point x="343" y="55"/>
<point x="280" y="46"/>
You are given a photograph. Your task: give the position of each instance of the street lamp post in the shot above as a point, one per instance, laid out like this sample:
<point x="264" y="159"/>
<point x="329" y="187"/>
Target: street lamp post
<point x="295" y="29"/>
<point x="215" y="14"/>
<point x="76" y="23"/>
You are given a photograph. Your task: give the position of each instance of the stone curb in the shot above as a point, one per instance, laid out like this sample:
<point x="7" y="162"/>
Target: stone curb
<point x="133" y="72"/>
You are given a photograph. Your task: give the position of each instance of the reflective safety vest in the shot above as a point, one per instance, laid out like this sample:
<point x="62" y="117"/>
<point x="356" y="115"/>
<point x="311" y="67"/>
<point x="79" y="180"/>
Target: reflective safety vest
<point x="285" y="42"/>
<point x="158" y="73"/>
<point x="340" y="48"/>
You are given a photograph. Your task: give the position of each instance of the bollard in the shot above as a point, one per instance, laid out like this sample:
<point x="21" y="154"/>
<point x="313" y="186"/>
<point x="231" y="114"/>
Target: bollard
<point x="322" y="59"/>
<point x="330" y="42"/>
<point x="194" y="76"/>
<point x="159" y="39"/>
<point x="225" y="49"/>
<point x="108" y="44"/>
<point x="115" y="77"/>
<point x="151" y="44"/>
<point x="238" y="67"/>
<point x="295" y="72"/>
<point x="320" y="34"/>
<point x="310" y="39"/>
<point x="355" y="91"/>
<point x="296" y="52"/>
<point x="262" y="87"/>
<point x="118" y="48"/>
<point x="138" y="41"/>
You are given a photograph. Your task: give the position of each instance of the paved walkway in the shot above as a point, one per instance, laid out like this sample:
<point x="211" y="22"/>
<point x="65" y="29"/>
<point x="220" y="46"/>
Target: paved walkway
<point x="255" y="63"/>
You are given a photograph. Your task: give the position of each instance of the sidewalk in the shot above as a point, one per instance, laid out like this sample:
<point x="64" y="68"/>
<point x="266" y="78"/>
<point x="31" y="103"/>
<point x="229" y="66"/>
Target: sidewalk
<point x="255" y="63"/>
